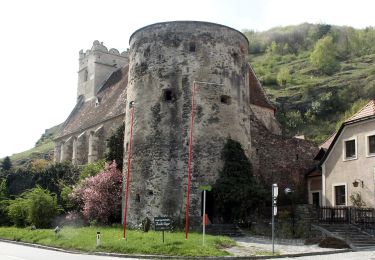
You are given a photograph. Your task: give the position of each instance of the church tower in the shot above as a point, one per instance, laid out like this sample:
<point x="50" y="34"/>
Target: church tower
<point x="95" y="66"/>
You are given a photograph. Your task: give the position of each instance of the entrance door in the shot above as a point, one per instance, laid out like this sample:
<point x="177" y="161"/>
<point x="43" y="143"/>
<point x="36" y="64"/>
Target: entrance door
<point x="316" y="198"/>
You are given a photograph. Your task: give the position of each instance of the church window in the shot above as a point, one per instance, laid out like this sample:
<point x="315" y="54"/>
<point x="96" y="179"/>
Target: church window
<point x="85" y="75"/>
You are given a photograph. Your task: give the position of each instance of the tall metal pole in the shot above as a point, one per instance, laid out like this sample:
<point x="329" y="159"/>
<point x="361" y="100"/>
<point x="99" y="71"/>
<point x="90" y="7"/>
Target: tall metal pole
<point x="204" y="214"/>
<point x="129" y="160"/>
<point x="273" y="223"/>
<point x="190" y="159"/>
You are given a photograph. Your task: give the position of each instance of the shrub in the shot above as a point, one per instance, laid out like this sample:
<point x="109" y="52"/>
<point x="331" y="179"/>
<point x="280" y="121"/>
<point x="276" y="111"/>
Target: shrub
<point x="36" y="206"/>
<point x="92" y="169"/>
<point x="18" y="212"/>
<point x="99" y="197"/>
<point x="236" y="192"/>
<point x="115" y="145"/>
<point x="283" y="77"/>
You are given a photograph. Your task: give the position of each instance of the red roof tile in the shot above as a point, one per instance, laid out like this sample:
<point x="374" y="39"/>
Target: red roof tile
<point x="111" y="98"/>
<point x="368" y="110"/>
<point x="328" y="141"/>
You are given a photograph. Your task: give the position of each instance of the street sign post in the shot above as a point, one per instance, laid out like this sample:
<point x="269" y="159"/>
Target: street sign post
<point x="163" y="224"/>
<point x="275" y="193"/>
<point x="204" y="188"/>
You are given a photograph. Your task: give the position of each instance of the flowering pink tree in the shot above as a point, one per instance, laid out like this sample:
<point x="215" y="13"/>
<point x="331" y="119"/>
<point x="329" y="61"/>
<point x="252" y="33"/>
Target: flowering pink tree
<point x="99" y="197"/>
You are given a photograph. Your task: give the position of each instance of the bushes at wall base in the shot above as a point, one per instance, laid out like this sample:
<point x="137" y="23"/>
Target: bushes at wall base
<point x="36" y="206"/>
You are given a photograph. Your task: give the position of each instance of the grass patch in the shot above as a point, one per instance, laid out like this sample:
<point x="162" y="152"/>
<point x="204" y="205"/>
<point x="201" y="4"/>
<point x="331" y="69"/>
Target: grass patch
<point x="35" y="151"/>
<point x="138" y="242"/>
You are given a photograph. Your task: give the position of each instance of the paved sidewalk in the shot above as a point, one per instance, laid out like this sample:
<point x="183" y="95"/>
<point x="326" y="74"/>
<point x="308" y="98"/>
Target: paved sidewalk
<point x="251" y="245"/>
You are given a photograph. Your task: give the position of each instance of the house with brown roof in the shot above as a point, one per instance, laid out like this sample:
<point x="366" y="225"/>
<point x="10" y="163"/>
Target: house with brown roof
<point x="348" y="164"/>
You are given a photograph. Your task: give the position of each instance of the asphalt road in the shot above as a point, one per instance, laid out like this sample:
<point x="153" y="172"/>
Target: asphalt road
<point x="364" y="255"/>
<point x="10" y="251"/>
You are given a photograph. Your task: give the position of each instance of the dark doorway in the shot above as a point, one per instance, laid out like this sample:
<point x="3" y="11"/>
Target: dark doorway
<point x="209" y="205"/>
<point x="316" y="199"/>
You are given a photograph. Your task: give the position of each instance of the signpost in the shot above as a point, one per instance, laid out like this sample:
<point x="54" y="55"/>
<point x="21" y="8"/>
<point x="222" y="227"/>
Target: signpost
<point x="204" y="188"/>
<point x="275" y="193"/>
<point x="163" y="224"/>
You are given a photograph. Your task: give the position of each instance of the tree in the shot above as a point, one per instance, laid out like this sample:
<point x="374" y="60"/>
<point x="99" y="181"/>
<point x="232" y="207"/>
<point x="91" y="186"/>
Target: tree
<point x="323" y="57"/>
<point x="99" y="197"/>
<point x="283" y="77"/>
<point x="115" y="145"/>
<point x="6" y="164"/>
<point x="236" y="193"/>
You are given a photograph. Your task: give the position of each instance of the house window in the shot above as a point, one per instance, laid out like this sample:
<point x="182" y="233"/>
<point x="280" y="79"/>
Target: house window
<point x="350" y="149"/>
<point x="340" y="195"/>
<point x="371" y="144"/>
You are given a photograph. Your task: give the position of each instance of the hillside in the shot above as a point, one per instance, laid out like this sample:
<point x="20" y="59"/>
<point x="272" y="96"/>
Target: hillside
<point x="310" y="100"/>
<point x="43" y="149"/>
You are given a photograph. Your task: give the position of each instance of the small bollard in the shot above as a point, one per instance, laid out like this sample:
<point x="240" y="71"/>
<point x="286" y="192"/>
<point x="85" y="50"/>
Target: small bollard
<point x="97" y="239"/>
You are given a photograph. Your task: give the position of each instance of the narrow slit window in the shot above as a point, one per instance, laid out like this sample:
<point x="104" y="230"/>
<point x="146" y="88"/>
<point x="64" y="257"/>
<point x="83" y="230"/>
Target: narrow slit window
<point x="168" y="95"/>
<point x="137" y="198"/>
<point x="225" y="99"/>
<point x="192" y="47"/>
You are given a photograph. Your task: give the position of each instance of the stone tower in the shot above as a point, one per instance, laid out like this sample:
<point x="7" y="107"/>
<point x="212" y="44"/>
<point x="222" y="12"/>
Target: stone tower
<point x="164" y="61"/>
<point x="95" y="66"/>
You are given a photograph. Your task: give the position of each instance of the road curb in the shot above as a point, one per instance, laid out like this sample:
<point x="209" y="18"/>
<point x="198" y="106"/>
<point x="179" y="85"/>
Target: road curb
<point x="138" y="256"/>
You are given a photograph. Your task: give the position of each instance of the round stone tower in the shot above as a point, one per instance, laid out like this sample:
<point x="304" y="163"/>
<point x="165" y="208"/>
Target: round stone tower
<point x="164" y="61"/>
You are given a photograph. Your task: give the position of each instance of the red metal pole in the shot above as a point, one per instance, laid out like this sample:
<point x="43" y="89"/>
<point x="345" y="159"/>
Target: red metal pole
<point x="190" y="159"/>
<point x="128" y="175"/>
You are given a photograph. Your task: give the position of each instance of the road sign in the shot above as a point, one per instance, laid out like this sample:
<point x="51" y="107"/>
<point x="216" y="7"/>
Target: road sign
<point x="275" y="190"/>
<point x="162" y="223"/>
<point x="206" y="187"/>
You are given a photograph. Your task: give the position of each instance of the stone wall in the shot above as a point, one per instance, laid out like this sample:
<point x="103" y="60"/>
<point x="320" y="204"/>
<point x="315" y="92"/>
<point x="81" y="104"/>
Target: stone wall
<point x="267" y="117"/>
<point x="164" y="61"/>
<point x="281" y="160"/>
<point x="88" y="145"/>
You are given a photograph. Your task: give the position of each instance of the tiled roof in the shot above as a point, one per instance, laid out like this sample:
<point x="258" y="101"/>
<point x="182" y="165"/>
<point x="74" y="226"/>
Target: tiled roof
<point x="368" y="110"/>
<point x="257" y="95"/>
<point x="365" y="113"/>
<point x="111" y="98"/>
<point x="328" y="141"/>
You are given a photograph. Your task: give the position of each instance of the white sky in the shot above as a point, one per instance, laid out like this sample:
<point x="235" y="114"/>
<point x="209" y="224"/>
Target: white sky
<point x="40" y="41"/>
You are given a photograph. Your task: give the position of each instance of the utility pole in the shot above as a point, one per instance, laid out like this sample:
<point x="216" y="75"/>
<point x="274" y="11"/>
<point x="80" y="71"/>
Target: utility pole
<point x="131" y="107"/>
<point x="275" y="193"/>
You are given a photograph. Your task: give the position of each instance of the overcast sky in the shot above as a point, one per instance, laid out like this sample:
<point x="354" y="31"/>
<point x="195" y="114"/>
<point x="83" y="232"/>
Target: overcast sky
<point x="40" y="41"/>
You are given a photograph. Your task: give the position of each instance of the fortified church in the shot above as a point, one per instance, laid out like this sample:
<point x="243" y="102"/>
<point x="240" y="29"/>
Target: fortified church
<point x="156" y="76"/>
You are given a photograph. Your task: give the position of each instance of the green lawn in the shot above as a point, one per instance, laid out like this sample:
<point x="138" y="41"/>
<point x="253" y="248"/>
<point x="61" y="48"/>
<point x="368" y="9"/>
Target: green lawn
<point x="137" y="242"/>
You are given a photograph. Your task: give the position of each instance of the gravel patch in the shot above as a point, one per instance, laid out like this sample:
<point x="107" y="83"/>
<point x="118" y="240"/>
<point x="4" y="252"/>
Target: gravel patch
<point x="253" y="245"/>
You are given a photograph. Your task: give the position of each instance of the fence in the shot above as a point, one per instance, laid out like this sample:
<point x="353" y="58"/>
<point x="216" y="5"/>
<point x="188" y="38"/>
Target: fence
<point x="350" y="215"/>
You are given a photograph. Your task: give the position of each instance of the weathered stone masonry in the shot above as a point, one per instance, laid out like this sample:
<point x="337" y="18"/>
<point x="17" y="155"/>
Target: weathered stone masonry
<point x="165" y="59"/>
<point x="157" y="74"/>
